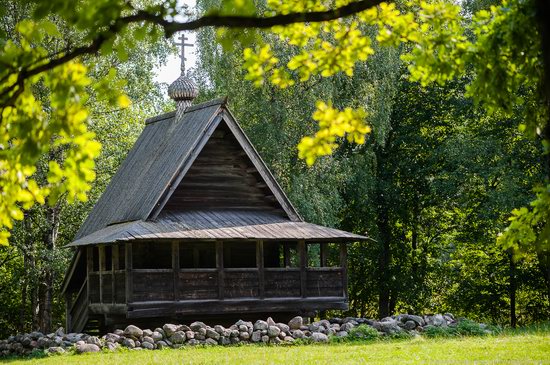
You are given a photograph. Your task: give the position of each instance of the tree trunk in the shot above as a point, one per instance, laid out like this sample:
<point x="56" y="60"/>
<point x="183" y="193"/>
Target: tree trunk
<point x="513" y="288"/>
<point x="50" y="239"/>
<point x="384" y="263"/>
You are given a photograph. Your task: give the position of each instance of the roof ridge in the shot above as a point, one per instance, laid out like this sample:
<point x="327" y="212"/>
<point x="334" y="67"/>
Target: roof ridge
<point x="192" y="108"/>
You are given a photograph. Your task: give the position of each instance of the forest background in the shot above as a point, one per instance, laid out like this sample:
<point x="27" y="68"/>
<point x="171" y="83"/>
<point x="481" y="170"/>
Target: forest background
<point x="434" y="184"/>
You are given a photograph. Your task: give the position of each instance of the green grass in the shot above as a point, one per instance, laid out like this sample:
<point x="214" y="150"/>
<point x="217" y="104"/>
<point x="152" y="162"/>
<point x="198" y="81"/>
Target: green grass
<point x="523" y="347"/>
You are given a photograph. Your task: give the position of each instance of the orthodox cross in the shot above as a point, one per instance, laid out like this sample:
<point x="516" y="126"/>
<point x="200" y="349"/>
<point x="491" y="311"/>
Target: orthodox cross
<point x="183" y="38"/>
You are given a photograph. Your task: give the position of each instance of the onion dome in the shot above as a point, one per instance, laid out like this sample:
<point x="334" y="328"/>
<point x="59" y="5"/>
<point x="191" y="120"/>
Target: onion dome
<point x="183" y="89"/>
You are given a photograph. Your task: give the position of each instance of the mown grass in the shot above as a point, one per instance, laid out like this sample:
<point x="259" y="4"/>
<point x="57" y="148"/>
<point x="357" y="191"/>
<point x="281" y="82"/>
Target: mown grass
<point x="529" y="346"/>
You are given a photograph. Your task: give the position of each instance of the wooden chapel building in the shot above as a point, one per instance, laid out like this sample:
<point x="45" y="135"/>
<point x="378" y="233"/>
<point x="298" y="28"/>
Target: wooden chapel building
<point x="194" y="226"/>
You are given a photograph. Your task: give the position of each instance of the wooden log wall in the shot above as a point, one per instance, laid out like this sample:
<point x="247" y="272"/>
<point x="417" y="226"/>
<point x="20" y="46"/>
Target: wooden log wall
<point x="221" y="177"/>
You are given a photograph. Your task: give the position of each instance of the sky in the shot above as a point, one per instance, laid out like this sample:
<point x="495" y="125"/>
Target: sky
<point x="171" y="70"/>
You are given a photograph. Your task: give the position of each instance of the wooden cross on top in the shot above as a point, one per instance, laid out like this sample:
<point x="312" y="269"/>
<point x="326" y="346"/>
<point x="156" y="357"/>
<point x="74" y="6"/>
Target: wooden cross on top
<point x="183" y="38"/>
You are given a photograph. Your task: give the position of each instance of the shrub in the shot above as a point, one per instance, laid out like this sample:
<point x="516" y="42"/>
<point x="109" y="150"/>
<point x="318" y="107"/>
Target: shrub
<point x="364" y="332"/>
<point x="470" y="328"/>
<point x="432" y="331"/>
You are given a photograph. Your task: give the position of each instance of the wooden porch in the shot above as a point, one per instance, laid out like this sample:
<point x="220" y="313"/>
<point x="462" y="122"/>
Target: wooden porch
<point x="309" y="277"/>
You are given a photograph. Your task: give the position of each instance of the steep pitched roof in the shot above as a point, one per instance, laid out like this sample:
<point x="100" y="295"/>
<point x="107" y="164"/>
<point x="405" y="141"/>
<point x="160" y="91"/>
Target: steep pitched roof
<point x="159" y="161"/>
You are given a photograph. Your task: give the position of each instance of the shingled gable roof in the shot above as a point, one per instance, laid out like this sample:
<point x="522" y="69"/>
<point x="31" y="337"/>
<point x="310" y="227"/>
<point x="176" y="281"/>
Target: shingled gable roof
<point x="132" y="205"/>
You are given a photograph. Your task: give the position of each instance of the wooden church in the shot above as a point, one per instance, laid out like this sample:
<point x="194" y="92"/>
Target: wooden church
<point x="193" y="226"/>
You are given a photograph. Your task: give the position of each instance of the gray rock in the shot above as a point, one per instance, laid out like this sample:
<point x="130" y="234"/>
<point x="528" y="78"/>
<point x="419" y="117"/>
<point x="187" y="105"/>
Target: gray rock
<point x="147" y="332"/>
<point x="346" y="327"/>
<point x="416" y="319"/>
<point x="36" y="335"/>
<point x="78" y="343"/>
<point x="283" y="327"/>
<point x="111" y="346"/>
<point x="256" y="336"/>
<point x="148" y="339"/>
<point x="244" y="336"/>
<point x="161" y="345"/>
<point x="43" y="342"/>
<point x="265" y="339"/>
<point x="184" y="328"/>
<point x="129" y="343"/>
<point x="189" y="334"/>
<point x="138" y="343"/>
<point x="341" y="334"/>
<point x="60" y="332"/>
<point x="243" y="328"/>
<point x="56" y="350"/>
<point x="211" y="341"/>
<point x="87" y="347"/>
<point x="112" y="337"/>
<point x="234" y="333"/>
<point x="235" y="340"/>
<point x="260" y="325"/>
<point x="273" y="331"/>
<point x="409" y="325"/>
<point x="94" y="341"/>
<point x="439" y="321"/>
<point x="319" y="337"/>
<point x="224" y="341"/>
<point x="219" y="329"/>
<point x="118" y="332"/>
<point x="157" y="336"/>
<point x="193" y="342"/>
<point x="314" y="327"/>
<point x="201" y="331"/>
<point x="26" y="341"/>
<point x="148" y="345"/>
<point x="169" y="329"/>
<point x="298" y="334"/>
<point x="178" y="337"/>
<point x="390" y="327"/>
<point x="210" y="333"/>
<point x="270" y="322"/>
<point x="276" y="340"/>
<point x="296" y="322"/>
<point x="195" y="326"/>
<point x="134" y="331"/>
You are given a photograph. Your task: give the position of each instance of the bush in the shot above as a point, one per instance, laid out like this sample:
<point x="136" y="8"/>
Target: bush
<point x="364" y="332"/>
<point x="432" y="331"/>
<point x="470" y="328"/>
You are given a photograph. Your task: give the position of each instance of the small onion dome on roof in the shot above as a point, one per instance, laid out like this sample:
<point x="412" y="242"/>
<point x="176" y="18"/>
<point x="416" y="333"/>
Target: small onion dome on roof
<point x="183" y="89"/>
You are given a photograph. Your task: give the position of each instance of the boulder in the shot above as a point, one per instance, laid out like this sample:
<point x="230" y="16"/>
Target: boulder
<point x="148" y="345"/>
<point x="244" y="336"/>
<point x="133" y="331"/>
<point x="283" y="327"/>
<point x="346" y="327"/>
<point x="265" y="339"/>
<point x="211" y="342"/>
<point x="56" y="350"/>
<point x="219" y="329"/>
<point x="270" y="322"/>
<point x="256" y="336"/>
<point x="147" y="332"/>
<point x="169" y="329"/>
<point x="298" y="334"/>
<point x="189" y="334"/>
<point x="296" y="322"/>
<point x="210" y="333"/>
<point x="390" y="327"/>
<point x="87" y="347"/>
<point x="178" y="337"/>
<point x="273" y="331"/>
<point x="157" y="336"/>
<point x="94" y="341"/>
<point x="111" y="346"/>
<point x="260" y="325"/>
<point x="195" y="326"/>
<point x="129" y="343"/>
<point x="319" y="337"/>
<point x="148" y="339"/>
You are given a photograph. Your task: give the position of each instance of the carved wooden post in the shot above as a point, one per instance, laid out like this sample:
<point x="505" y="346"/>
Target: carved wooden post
<point x="115" y="257"/>
<point x="101" y="270"/>
<point x="344" y="266"/>
<point x="89" y="269"/>
<point x="129" y="275"/>
<point x="176" y="267"/>
<point x="219" y="265"/>
<point x="260" y="265"/>
<point x="303" y="263"/>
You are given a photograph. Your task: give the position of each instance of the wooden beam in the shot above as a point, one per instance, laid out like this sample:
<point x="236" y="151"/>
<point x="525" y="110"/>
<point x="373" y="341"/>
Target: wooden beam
<point x="344" y="266"/>
<point x="176" y="266"/>
<point x="303" y="263"/>
<point x="101" y="249"/>
<point x="90" y="268"/>
<point x="68" y="324"/>
<point x="129" y="277"/>
<point x="219" y="266"/>
<point x="115" y="257"/>
<point x="260" y="265"/>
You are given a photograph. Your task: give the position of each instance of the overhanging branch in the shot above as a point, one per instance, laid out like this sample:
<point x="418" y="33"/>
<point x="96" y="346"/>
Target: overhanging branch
<point x="9" y="95"/>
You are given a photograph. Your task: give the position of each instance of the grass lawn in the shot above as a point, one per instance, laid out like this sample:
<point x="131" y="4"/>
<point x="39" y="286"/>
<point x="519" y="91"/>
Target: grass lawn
<point x="516" y="348"/>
